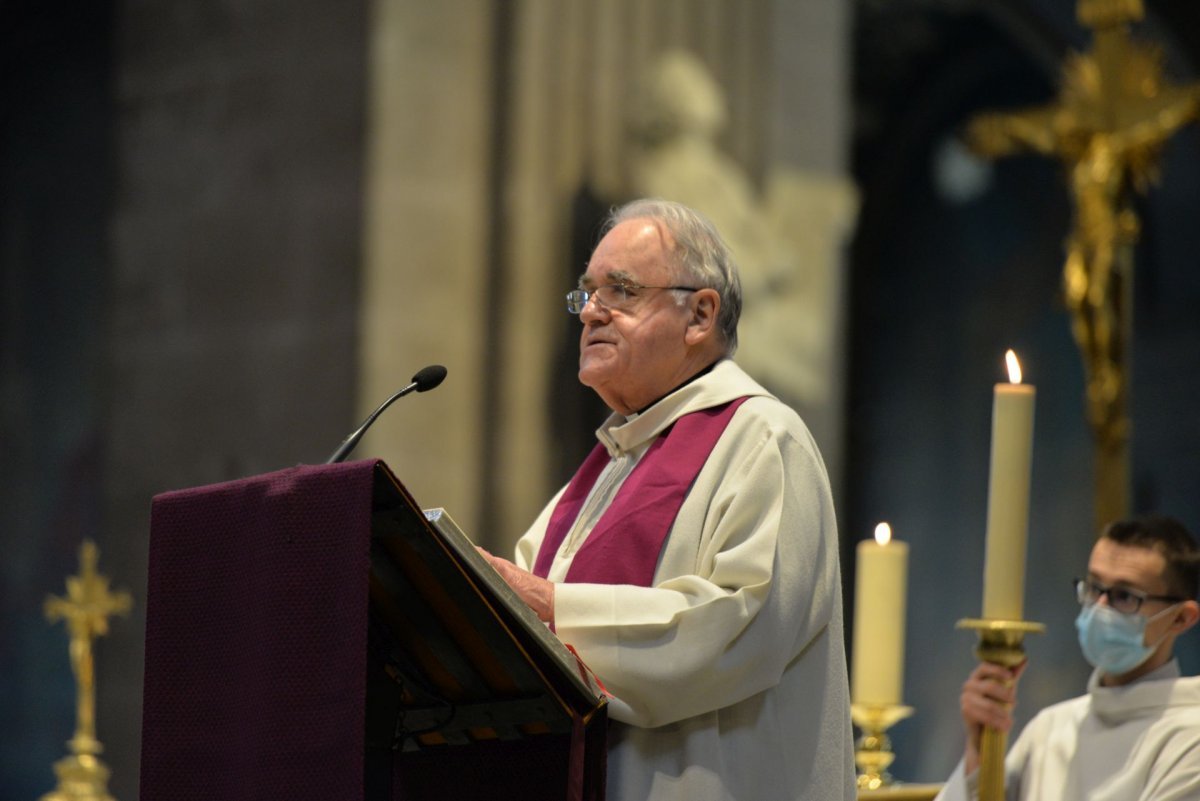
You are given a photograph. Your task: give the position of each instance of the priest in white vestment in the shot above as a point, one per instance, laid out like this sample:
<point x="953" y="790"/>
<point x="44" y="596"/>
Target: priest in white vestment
<point x="693" y="559"/>
<point x="1135" y="734"/>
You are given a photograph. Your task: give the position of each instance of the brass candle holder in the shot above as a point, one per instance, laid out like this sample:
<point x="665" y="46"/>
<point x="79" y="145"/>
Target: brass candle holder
<point x="873" y="750"/>
<point x="1001" y="642"/>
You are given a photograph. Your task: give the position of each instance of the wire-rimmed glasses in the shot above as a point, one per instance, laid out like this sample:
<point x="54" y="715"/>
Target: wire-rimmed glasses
<point x="613" y="296"/>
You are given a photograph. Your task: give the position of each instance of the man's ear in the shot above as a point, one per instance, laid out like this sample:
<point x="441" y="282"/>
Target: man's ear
<point x="1187" y="616"/>
<point x="702" y="324"/>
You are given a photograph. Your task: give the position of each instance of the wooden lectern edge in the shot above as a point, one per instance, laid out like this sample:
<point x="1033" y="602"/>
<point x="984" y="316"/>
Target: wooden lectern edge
<point x="481" y="570"/>
<point x="476" y="569"/>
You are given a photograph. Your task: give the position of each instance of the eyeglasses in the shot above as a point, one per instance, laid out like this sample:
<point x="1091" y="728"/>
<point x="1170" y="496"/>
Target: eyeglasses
<point x="1122" y="599"/>
<point x="613" y="296"/>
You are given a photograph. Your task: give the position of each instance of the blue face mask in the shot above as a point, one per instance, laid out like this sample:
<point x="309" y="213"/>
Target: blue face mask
<point x="1113" y="642"/>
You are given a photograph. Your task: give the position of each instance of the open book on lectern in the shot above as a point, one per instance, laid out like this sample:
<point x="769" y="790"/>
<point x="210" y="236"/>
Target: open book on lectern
<point x="455" y="656"/>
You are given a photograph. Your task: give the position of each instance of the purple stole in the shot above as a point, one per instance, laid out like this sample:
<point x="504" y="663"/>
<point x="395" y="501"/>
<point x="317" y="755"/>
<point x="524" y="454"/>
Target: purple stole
<point x="625" y="544"/>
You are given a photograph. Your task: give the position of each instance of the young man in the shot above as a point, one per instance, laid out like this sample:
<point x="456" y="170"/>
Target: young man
<point x="1135" y="735"/>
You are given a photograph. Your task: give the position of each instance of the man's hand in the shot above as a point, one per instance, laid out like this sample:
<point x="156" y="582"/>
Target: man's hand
<point x="988" y="697"/>
<point x="534" y="590"/>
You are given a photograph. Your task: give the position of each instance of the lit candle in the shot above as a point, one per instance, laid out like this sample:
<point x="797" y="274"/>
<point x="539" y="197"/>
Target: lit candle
<point x="879" y="599"/>
<point x="1008" y="496"/>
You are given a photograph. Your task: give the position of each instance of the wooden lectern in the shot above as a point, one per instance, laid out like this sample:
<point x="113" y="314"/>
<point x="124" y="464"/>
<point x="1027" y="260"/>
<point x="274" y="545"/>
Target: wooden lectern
<point x="312" y="634"/>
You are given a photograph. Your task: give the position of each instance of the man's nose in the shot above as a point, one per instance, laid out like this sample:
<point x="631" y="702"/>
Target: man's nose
<point x="593" y="310"/>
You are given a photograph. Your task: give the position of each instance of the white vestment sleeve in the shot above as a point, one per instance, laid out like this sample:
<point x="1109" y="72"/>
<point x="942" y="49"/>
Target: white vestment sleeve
<point x="527" y="547"/>
<point x="1178" y="776"/>
<point x="963" y="786"/>
<point x="956" y="787"/>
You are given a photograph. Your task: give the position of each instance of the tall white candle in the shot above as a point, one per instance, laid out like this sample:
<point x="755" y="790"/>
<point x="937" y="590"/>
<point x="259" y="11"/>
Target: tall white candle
<point x="877" y="673"/>
<point x="1008" y="496"/>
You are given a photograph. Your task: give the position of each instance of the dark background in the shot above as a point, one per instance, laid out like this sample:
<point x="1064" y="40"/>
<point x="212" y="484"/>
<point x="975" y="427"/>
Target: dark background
<point x="952" y="261"/>
<point x="180" y="218"/>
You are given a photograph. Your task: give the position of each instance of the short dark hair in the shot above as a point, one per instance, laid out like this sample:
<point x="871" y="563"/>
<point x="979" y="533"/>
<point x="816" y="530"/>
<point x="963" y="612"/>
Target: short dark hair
<point x="1170" y="538"/>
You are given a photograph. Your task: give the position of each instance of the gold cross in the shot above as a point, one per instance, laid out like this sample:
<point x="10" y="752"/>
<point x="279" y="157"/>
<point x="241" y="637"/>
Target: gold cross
<point x="1114" y="113"/>
<point x="86" y="610"/>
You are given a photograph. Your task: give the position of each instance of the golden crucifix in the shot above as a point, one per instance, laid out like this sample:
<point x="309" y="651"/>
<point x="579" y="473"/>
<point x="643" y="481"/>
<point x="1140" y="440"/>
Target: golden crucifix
<point x="86" y="609"/>
<point x="1114" y="113"/>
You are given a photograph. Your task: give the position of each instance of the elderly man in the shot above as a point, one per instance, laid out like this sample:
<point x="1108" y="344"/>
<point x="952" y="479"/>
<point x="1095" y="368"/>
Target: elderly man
<point x="693" y="559"/>
<point x="1135" y="735"/>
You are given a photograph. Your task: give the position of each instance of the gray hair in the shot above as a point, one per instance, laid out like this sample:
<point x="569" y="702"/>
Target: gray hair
<point x="702" y="255"/>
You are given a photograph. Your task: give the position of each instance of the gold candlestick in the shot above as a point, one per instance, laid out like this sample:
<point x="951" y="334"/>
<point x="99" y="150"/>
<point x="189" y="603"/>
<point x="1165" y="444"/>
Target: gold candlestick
<point x="873" y="750"/>
<point x="86" y="609"/>
<point x="1001" y="642"/>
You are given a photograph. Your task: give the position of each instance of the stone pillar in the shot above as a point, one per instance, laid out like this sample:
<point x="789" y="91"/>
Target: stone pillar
<point x="426" y="265"/>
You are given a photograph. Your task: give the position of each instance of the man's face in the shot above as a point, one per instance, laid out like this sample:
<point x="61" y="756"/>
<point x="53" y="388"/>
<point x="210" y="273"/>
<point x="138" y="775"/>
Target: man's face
<point x="1140" y="569"/>
<point x="634" y="354"/>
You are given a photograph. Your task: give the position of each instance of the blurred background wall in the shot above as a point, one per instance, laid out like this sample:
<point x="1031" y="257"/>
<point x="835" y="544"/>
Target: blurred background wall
<point x="229" y="230"/>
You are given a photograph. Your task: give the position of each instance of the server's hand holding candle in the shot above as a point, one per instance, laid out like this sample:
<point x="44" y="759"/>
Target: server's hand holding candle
<point x="1008" y="496"/>
<point x="880" y="586"/>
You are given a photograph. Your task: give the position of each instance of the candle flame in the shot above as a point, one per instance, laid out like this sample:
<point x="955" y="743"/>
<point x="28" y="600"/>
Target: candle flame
<point x="883" y="533"/>
<point x="1014" y="367"/>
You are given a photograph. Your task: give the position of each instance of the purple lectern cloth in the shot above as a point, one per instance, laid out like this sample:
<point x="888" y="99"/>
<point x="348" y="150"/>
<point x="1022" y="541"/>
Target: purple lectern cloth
<point x="256" y="623"/>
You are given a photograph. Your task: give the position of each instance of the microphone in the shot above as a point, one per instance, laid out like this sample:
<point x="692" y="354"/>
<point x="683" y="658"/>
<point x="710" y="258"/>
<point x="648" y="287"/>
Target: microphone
<point x="426" y="379"/>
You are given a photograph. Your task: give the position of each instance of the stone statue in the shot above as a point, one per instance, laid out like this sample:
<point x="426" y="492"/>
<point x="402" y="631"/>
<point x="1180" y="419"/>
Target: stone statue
<point x="786" y="239"/>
